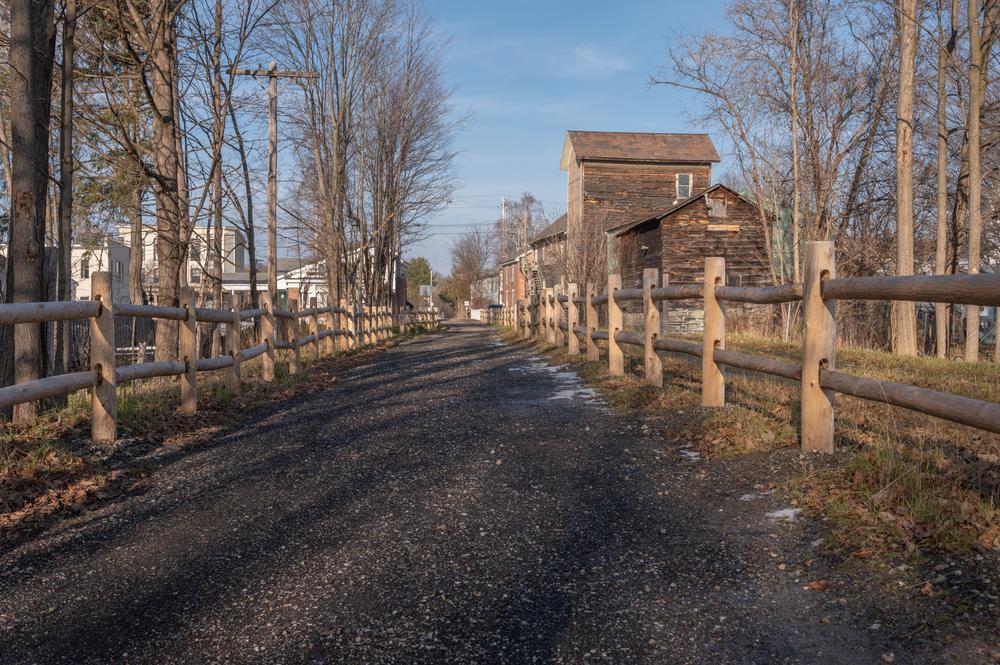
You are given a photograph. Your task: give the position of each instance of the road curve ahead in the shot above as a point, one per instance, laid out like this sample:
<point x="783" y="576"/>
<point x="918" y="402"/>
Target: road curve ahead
<point x="454" y="501"/>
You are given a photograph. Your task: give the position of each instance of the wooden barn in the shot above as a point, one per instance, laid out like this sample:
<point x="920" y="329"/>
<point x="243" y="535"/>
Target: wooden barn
<point x="714" y="222"/>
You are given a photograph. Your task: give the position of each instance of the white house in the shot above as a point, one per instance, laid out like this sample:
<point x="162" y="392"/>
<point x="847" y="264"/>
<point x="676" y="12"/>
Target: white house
<point x="234" y="252"/>
<point x="112" y="256"/>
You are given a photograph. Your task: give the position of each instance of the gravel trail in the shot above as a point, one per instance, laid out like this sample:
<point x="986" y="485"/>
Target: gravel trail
<point x="455" y="500"/>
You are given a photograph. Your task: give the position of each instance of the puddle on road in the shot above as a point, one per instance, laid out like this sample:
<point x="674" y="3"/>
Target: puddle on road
<point x="569" y="387"/>
<point x="692" y="455"/>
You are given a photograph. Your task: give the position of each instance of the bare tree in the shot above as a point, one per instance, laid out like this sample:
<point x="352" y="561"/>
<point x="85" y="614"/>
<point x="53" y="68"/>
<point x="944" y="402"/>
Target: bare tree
<point x="904" y="337"/>
<point x="31" y="55"/>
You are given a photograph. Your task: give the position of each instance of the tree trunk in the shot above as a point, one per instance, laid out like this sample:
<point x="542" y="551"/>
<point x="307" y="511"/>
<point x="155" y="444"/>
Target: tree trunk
<point x="169" y="249"/>
<point x="941" y="249"/>
<point x="32" y="40"/>
<point x="793" y="39"/>
<point x="65" y="241"/>
<point x="975" y="173"/>
<point x="904" y="333"/>
<point x="136" y="256"/>
<point x="248" y="193"/>
<point x="217" y="129"/>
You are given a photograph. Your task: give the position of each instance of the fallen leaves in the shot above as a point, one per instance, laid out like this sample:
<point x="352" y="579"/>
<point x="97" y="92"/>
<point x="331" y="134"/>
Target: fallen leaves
<point x="817" y="585"/>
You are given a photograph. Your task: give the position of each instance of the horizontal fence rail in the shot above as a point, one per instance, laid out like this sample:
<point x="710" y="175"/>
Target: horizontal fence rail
<point x="327" y="329"/>
<point x="564" y="319"/>
<point x="36" y="312"/>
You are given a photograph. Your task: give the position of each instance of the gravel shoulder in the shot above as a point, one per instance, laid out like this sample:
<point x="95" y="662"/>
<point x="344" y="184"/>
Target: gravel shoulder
<point x="453" y="500"/>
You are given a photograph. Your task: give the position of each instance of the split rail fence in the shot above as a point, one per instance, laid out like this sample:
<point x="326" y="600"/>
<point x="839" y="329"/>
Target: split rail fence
<point x="816" y="371"/>
<point x="342" y="327"/>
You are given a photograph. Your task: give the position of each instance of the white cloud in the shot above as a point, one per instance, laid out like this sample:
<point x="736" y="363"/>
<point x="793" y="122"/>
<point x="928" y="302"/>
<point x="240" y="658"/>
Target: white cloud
<point x="591" y="60"/>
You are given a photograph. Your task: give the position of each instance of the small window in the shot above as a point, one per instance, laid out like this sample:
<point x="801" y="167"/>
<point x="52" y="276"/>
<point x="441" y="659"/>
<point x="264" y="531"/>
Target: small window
<point x="195" y="275"/>
<point x="683" y="186"/>
<point x="118" y="268"/>
<point x="195" y="250"/>
<point x="85" y="267"/>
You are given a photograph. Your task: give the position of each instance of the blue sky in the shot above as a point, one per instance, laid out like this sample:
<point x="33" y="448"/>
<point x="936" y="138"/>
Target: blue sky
<point x="529" y="71"/>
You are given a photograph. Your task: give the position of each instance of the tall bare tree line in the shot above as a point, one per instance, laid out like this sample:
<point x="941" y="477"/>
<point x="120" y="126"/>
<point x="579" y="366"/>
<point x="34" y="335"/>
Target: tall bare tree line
<point x="135" y="106"/>
<point x="886" y="146"/>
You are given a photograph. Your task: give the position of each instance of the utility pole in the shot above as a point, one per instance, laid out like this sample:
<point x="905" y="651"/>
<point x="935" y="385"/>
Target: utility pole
<point x="273" y="74"/>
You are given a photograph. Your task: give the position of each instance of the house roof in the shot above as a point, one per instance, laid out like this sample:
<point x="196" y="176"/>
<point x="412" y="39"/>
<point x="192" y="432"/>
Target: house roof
<point x="552" y="230"/>
<point x="628" y="226"/>
<point x="639" y="147"/>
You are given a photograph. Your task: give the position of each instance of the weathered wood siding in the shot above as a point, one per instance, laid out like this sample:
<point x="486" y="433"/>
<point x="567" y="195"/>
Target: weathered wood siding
<point x="683" y="239"/>
<point x="689" y="235"/>
<point x="574" y="196"/>
<point x="614" y="193"/>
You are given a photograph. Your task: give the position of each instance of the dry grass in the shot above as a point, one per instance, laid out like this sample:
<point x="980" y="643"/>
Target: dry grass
<point x="911" y="482"/>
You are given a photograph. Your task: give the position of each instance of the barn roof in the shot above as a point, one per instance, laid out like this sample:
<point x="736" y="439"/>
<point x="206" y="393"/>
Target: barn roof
<point x="552" y="230"/>
<point x="639" y="147"/>
<point x="628" y="226"/>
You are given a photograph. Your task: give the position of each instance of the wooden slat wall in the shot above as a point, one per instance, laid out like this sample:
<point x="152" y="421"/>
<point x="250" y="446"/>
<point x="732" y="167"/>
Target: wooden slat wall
<point x="687" y="238"/>
<point x="614" y="194"/>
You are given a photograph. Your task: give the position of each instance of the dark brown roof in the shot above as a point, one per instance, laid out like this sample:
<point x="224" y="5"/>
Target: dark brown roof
<point x="639" y="147"/>
<point x="553" y="229"/>
<point x="628" y="226"/>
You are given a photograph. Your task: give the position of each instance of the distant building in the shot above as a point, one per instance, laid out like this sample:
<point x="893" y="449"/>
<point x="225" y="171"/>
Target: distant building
<point x="513" y="282"/>
<point x="486" y="291"/>
<point x="112" y="256"/>
<point x="234" y="253"/>
<point x="86" y="259"/>
<point x="714" y="222"/>
<point x="616" y="177"/>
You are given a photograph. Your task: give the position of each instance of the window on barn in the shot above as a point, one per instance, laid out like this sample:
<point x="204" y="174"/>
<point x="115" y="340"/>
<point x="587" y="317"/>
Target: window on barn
<point x="683" y="186"/>
<point x="118" y="268"/>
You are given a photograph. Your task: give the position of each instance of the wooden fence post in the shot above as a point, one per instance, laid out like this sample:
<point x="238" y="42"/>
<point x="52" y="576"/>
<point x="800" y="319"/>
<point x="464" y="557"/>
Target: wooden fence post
<point x="572" y="320"/>
<point x="543" y="315"/>
<point x="713" y="382"/>
<point x="652" y="363"/>
<point x="819" y="346"/>
<point x="665" y="307"/>
<point x="233" y="346"/>
<point x="295" y="362"/>
<point x="593" y="353"/>
<point x="104" y="421"/>
<point x="557" y="331"/>
<point x="616" y="361"/>
<point x="189" y="353"/>
<point x="343" y="322"/>
<point x="267" y="334"/>
<point x="314" y="321"/>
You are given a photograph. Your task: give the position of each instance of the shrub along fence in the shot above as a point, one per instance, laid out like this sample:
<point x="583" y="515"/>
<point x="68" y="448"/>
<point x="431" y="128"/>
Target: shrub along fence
<point x="342" y="327"/>
<point x="816" y="372"/>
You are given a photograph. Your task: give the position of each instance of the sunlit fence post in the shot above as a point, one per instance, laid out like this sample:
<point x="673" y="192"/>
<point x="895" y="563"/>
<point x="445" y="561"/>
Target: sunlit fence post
<point x="103" y="425"/>
<point x="616" y="360"/>
<point x="572" y="321"/>
<point x="713" y="382"/>
<point x="233" y="346"/>
<point x="819" y="343"/>
<point x="593" y="353"/>
<point x="651" y="360"/>
<point x="267" y="336"/>
<point x="188" y="339"/>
